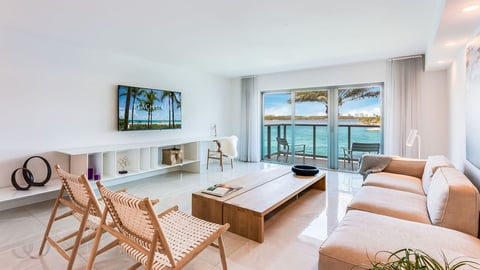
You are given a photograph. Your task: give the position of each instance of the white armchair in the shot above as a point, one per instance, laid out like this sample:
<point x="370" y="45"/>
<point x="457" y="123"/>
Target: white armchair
<point x="226" y="147"/>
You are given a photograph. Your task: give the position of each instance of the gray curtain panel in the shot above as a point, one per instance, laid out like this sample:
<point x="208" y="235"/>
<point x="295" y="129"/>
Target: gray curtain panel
<point x="249" y="139"/>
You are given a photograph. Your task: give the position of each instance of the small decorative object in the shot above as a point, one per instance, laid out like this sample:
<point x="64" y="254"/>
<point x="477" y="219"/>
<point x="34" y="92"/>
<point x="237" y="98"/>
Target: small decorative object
<point x="213" y="130"/>
<point x="28" y="175"/>
<point x="96" y="177"/>
<point x="47" y="177"/>
<point x="28" y="179"/>
<point x="123" y="161"/>
<point x="305" y="170"/>
<point x="90" y="173"/>
<point x="172" y="156"/>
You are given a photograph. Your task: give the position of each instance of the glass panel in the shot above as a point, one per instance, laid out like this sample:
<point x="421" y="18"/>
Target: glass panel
<point x="311" y="108"/>
<point x="326" y="124"/>
<point x="359" y="122"/>
<point x="277" y="123"/>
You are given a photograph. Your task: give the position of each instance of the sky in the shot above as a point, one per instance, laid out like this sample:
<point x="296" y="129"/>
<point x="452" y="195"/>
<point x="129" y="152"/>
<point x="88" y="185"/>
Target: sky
<point x="277" y="104"/>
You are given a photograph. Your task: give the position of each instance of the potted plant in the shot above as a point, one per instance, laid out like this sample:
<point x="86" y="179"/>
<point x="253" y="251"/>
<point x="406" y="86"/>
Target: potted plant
<point x="412" y="259"/>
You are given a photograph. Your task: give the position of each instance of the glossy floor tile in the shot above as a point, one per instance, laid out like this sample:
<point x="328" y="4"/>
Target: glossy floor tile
<point x="292" y="235"/>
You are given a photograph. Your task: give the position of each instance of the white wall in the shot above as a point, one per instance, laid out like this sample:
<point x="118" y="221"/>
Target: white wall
<point x="457" y="140"/>
<point x="55" y="96"/>
<point x="434" y="121"/>
<point x="435" y="107"/>
<point x="339" y="75"/>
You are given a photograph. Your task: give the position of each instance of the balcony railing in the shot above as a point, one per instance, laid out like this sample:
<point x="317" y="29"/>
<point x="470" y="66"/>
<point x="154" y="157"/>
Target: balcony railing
<point x="347" y="135"/>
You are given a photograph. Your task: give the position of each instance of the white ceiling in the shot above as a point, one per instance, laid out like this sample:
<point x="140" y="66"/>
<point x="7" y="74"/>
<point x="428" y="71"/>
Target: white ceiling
<point x="244" y="37"/>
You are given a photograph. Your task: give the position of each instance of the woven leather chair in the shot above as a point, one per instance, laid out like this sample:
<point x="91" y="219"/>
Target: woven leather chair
<point x="165" y="241"/>
<point x="82" y="205"/>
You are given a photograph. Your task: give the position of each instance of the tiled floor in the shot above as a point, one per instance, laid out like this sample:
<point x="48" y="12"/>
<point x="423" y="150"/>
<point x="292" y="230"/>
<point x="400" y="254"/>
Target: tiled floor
<point x="292" y="236"/>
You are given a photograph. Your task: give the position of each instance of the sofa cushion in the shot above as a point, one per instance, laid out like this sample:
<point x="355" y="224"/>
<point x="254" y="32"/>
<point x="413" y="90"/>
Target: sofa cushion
<point x="395" y="181"/>
<point x="389" y="202"/>
<point x="453" y="201"/>
<point x="433" y="163"/>
<point x="361" y="235"/>
<point x="406" y="166"/>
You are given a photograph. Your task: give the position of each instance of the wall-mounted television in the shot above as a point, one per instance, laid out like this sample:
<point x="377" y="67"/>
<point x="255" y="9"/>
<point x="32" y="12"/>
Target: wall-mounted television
<point x="141" y="108"/>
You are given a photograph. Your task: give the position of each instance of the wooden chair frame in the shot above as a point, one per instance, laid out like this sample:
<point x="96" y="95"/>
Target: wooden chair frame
<point x="84" y="206"/>
<point x="166" y="241"/>
<point x="218" y="154"/>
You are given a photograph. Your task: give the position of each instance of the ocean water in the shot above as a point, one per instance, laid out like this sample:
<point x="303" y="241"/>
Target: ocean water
<point x="304" y="135"/>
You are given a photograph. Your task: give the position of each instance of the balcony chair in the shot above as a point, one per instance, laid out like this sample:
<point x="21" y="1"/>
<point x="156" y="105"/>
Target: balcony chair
<point x="226" y="148"/>
<point x="362" y="148"/>
<point x="82" y="205"/>
<point x="165" y="241"/>
<point x="284" y="149"/>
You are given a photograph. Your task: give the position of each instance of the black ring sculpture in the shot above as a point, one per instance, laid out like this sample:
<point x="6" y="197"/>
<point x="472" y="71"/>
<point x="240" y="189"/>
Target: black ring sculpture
<point x="27" y="176"/>
<point x="47" y="178"/>
<point x="305" y="170"/>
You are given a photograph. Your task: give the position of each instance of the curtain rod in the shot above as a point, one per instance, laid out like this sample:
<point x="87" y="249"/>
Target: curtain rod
<point x="405" y="57"/>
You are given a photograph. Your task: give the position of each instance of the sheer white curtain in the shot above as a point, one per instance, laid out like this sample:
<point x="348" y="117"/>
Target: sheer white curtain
<point x="402" y="107"/>
<point x="249" y="141"/>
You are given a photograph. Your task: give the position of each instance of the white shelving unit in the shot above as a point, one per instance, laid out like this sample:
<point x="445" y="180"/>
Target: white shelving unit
<point x="142" y="159"/>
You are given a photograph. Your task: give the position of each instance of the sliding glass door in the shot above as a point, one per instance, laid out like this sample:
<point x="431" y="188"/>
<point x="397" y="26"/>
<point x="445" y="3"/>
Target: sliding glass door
<point x="359" y="122"/>
<point x="311" y="125"/>
<point x="320" y="125"/>
<point x="277" y="127"/>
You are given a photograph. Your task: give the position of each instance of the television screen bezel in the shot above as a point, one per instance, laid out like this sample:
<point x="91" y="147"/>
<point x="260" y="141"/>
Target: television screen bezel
<point x="176" y="125"/>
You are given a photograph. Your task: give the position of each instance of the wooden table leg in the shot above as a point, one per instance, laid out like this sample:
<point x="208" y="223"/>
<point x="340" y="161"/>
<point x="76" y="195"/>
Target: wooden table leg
<point x="244" y="222"/>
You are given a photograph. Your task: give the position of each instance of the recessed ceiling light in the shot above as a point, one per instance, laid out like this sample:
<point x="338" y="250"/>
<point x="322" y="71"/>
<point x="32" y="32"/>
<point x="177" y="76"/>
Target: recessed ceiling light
<point x="441" y="62"/>
<point x="471" y="8"/>
<point x="449" y="44"/>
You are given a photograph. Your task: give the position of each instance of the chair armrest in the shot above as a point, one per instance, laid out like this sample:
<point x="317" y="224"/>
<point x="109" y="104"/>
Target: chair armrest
<point x="173" y="208"/>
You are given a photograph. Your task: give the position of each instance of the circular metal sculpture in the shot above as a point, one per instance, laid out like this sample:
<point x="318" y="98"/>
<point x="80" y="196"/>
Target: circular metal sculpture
<point x="49" y="171"/>
<point x="305" y="170"/>
<point x="27" y="176"/>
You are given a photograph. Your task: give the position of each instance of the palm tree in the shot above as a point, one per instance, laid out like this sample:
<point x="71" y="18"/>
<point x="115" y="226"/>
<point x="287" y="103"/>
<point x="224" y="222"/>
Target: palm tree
<point x="127" y="105"/>
<point x="135" y="92"/>
<point x="173" y="99"/>
<point x="166" y="96"/>
<point x="148" y="105"/>
<point x="344" y="95"/>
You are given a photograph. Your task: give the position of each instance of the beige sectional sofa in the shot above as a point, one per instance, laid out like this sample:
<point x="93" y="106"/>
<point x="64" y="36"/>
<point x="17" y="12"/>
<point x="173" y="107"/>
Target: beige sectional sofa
<point x="426" y="205"/>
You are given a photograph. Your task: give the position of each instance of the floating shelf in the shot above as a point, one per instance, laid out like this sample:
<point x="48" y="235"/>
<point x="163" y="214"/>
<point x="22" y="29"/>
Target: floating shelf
<point x="108" y="161"/>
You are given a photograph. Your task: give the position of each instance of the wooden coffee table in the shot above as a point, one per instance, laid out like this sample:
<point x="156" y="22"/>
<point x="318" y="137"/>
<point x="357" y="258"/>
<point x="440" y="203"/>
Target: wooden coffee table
<point x="261" y="193"/>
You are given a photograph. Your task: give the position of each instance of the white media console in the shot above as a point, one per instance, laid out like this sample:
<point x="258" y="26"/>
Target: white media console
<point x="105" y="161"/>
<point x="144" y="160"/>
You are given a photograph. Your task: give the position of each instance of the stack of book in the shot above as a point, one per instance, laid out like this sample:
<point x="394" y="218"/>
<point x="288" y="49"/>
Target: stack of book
<point x="220" y="190"/>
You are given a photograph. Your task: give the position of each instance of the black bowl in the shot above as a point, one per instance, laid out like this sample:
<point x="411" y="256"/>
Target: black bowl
<point x="305" y="170"/>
